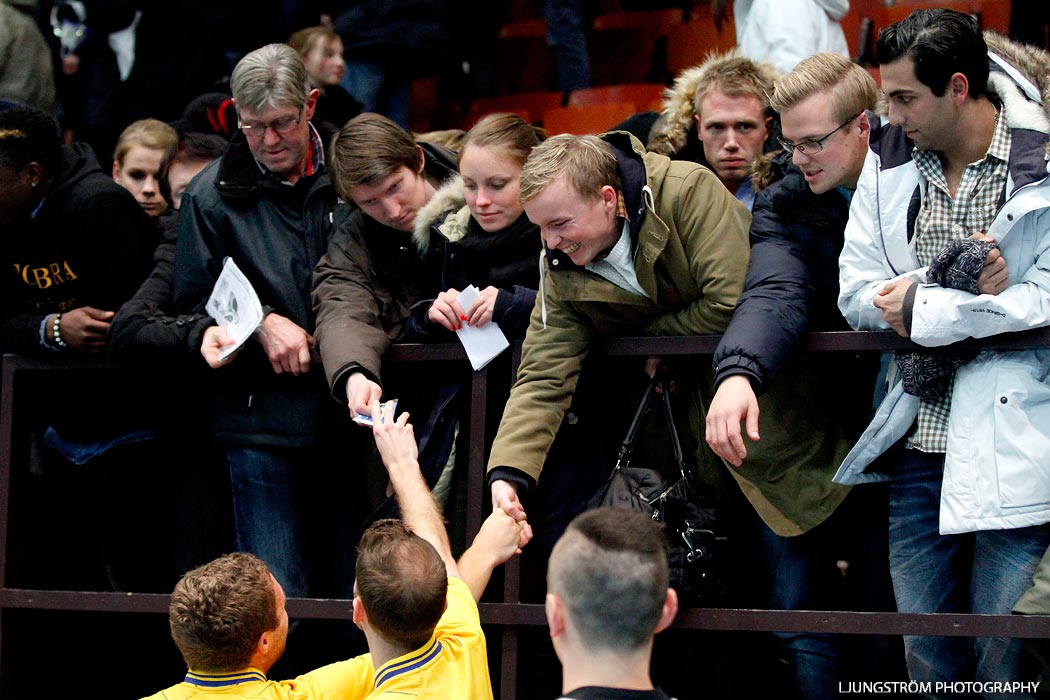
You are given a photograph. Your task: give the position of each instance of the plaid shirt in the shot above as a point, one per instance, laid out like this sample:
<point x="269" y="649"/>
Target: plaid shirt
<point x="941" y="219"/>
<point x="316" y="161"/>
<point x="621" y="207"/>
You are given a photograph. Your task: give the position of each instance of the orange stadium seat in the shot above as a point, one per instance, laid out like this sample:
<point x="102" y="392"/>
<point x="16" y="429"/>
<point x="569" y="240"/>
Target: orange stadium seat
<point x="640" y="94"/>
<point x="656" y="22"/>
<point x="530" y="105"/>
<point x="586" y="119"/>
<point x="689" y="44"/>
<point x="643" y="34"/>
<point x="524" y="29"/>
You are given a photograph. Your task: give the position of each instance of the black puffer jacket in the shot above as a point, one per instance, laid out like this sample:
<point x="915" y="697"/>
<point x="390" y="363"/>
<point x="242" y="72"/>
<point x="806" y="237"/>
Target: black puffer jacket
<point x="89" y="245"/>
<point x="791" y="289"/>
<point x="276" y="234"/>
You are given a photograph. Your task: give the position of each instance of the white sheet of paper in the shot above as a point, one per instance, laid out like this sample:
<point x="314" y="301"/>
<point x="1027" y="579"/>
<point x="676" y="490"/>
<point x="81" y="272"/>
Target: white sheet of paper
<point x="482" y="344"/>
<point x="234" y="305"/>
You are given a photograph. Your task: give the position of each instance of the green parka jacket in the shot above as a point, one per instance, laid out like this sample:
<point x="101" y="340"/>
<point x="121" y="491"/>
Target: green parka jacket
<point x="691" y="256"/>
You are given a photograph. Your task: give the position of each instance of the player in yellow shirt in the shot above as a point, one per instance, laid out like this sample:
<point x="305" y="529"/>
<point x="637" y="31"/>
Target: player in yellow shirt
<point x="415" y="604"/>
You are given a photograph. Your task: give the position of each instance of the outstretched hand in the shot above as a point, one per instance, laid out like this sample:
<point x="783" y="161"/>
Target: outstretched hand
<point x="505" y="498"/>
<point x="734" y="402"/>
<point x="395" y="439"/>
<point x="361" y="393"/>
<point x="502" y="536"/>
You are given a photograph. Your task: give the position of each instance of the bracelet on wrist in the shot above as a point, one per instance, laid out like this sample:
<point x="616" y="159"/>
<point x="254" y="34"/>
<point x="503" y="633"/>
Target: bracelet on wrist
<point x="56" y="331"/>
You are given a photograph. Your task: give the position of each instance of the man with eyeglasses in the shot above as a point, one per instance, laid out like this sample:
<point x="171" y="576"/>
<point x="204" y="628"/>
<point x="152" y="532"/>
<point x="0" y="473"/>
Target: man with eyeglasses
<point x="268" y="204"/>
<point x="948" y="239"/>
<point x="811" y="408"/>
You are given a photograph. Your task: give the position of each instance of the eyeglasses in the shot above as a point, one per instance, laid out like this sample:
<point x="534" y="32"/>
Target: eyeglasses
<point x="281" y="126"/>
<point x="812" y="146"/>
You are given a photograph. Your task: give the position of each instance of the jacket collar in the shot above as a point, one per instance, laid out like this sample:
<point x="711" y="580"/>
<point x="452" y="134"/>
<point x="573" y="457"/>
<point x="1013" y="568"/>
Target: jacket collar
<point x="239" y="174"/>
<point x="447" y="202"/>
<point x="223" y="680"/>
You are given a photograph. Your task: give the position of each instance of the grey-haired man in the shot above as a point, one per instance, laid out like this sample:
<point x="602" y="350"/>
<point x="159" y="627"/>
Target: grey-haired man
<point x="268" y="204"/>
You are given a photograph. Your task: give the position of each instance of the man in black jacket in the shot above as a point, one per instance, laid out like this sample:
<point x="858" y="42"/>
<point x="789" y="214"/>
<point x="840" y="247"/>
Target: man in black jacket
<point x="792" y="288"/>
<point x="268" y="205"/>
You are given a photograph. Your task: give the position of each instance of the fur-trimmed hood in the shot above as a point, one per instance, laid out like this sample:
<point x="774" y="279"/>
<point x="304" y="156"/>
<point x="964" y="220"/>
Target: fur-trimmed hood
<point x="1020" y="79"/>
<point x="448" y="210"/>
<point x="767" y="169"/>
<point x="672" y="132"/>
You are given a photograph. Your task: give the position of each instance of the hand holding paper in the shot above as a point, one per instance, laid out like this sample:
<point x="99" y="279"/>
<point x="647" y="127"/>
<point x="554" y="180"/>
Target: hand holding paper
<point x="235" y="306"/>
<point x="481" y="343"/>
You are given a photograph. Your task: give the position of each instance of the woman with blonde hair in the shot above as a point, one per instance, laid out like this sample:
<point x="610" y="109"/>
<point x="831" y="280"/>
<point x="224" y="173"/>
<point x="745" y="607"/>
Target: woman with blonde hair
<point x="140" y="161"/>
<point x="475" y="231"/>
<point x="322" y="52"/>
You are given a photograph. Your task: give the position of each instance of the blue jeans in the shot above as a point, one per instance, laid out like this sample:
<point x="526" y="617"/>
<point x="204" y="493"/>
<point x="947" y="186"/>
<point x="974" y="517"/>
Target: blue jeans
<point x="267" y="512"/>
<point x="802" y="575"/>
<point x="299" y="511"/>
<point x="981" y="572"/>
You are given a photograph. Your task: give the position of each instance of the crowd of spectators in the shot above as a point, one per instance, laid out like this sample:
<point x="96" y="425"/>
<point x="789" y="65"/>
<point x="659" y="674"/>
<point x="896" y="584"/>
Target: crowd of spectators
<point x="776" y="193"/>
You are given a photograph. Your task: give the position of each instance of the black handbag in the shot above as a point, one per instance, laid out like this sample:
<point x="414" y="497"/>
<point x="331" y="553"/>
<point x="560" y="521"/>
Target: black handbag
<point x="669" y="498"/>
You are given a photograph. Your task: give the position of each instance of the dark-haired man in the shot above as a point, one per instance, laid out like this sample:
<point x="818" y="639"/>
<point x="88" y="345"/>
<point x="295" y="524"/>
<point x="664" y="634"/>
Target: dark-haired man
<point x="372" y="272"/>
<point x="963" y="156"/>
<point x="415" y="604"/>
<point x="73" y="247"/>
<point x="607" y="597"/>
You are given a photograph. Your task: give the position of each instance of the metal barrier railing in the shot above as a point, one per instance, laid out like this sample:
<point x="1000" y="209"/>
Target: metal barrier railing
<point x="18" y="373"/>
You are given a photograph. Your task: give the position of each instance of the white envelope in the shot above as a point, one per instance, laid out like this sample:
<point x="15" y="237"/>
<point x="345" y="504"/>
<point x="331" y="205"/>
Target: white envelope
<point x="484" y="343"/>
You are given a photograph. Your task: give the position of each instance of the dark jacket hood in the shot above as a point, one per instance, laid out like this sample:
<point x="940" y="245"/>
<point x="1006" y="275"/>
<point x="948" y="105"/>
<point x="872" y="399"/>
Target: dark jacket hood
<point x="439" y="163"/>
<point x="78" y="162"/>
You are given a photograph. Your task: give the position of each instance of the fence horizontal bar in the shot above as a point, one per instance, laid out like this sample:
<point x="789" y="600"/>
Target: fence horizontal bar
<point x="837" y="341"/>
<point x="521" y="614"/>
<point x="85" y="601"/>
<point x="738" y="620"/>
<point x="105" y="601"/>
